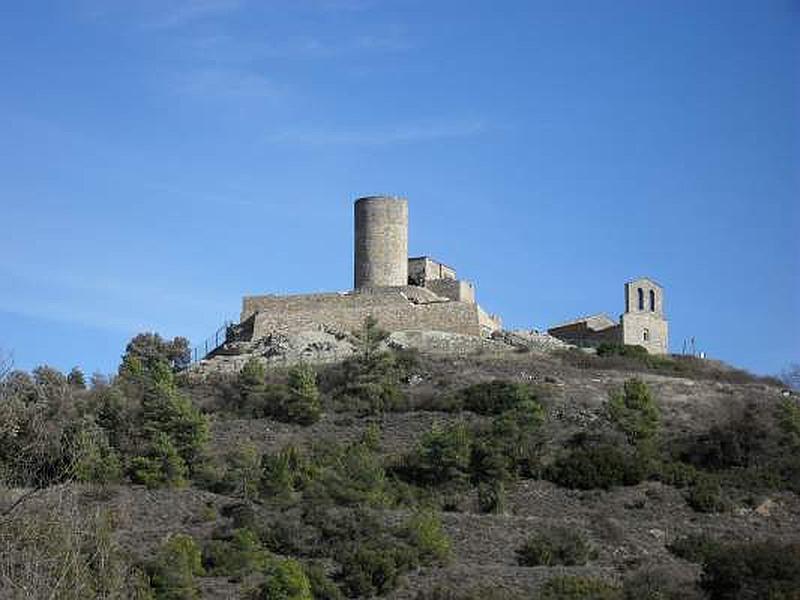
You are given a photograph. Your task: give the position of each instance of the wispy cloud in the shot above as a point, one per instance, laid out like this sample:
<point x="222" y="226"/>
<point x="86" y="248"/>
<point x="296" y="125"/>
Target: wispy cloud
<point x="339" y="5"/>
<point x="158" y="14"/>
<point x="227" y="83"/>
<point x="99" y="301"/>
<point x="315" y="47"/>
<point x="178" y="13"/>
<point x="52" y="310"/>
<point x="403" y="134"/>
<point x="222" y="47"/>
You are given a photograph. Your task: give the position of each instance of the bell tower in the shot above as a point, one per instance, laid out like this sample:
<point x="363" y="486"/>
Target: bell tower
<point x="643" y="322"/>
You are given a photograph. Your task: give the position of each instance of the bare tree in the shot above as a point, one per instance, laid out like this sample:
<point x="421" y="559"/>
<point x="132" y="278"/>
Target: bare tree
<point x="62" y="551"/>
<point x="6" y="364"/>
<point x="791" y="376"/>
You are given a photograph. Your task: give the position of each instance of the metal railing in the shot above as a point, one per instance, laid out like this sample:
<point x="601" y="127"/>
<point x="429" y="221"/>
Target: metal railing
<point x="212" y="342"/>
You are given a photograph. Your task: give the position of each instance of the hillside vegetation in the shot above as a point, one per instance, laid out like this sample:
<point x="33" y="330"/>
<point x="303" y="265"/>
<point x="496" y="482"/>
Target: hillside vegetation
<point x="504" y="474"/>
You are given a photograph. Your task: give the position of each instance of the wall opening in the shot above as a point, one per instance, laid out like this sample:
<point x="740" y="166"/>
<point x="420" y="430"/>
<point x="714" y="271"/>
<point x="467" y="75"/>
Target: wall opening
<point x="640" y="294"/>
<point x="646" y="335"/>
<point x="652" y="301"/>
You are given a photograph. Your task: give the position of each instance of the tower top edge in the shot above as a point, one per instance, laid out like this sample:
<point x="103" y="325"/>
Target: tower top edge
<point x="381" y="198"/>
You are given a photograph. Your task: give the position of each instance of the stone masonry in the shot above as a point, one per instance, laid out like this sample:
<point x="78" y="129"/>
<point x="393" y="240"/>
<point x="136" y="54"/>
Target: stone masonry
<point x="402" y="294"/>
<point x="396" y="309"/>
<point x="422" y="294"/>
<point x="642" y="323"/>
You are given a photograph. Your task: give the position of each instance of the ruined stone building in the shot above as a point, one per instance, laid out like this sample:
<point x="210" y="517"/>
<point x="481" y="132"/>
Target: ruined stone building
<point x="422" y="294"/>
<point x="642" y="323"/>
<point x="402" y="293"/>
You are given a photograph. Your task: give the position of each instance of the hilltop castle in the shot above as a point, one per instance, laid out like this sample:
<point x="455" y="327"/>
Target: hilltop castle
<point x="424" y="294"/>
<point x="402" y="293"/>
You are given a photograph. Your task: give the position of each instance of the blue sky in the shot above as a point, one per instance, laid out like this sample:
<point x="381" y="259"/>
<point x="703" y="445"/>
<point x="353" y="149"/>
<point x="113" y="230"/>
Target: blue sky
<point x="161" y="158"/>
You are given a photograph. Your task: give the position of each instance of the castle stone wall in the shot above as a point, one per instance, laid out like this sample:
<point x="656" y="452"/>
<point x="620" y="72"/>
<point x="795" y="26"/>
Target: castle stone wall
<point x="455" y="289"/>
<point x="488" y="323"/>
<point x="396" y="309"/>
<point x="423" y="269"/>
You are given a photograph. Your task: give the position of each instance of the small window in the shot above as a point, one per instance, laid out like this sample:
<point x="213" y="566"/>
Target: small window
<point x="640" y="293"/>
<point x="652" y="301"/>
<point x="646" y="335"/>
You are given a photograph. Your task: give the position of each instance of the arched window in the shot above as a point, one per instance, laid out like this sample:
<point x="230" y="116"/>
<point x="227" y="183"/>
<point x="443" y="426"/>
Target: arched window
<point x="646" y="335"/>
<point x="640" y="293"/>
<point x="652" y="301"/>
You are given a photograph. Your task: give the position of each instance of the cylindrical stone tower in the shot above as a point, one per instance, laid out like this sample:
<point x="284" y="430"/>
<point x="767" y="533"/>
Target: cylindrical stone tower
<point x="381" y="242"/>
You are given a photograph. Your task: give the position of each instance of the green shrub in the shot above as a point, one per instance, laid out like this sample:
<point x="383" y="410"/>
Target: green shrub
<point x="517" y="434"/>
<point x="753" y="451"/>
<point x="634" y="359"/>
<point x="595" y="467"/>
<point x="370" y="381"/>
<point x="424" y="532"/>
<point x="557" y="546"/>
<point x="372" y="555"/>
<point x="789" y="423"/>
<point x="706" y="496"/>
<point x="237" y="557"/>
<point x="442" y="592"/>
<point x="92" y="458"/>
<point x="322" y="587"/>
<point x="495" y="397"/>
<point x="253" y="374"/>
<point x="211" y="474"/>
<point x="634" y="412"/>
<point x="373" y="567"/>
<point x="677" y="474"/>
<point x="242" y="515"/>
<point x="251" y="386"/>
<point x="578" y="588"/>
<point x="167" y="411"/>
<point x="723" y="447"/>
<point x="113" y="415"/>
<point x="303" y="404"/>
<point x="371" y="437"/>
<point x="208" y="513"/>
<point x="656" y="584"/>
<point x="162" y="466"/>
<point x="371" y="388"/>
<point x="489" y="463"/>
<point x="243" y="471"/>
<point x="492" y="497"/>
<point x="349" y="475"/>
<point x="284" y="473"/>
<point x="173" y="571"/>
<point x="317" y="530"/>
<point x="695" y="547"/>
<point x="768" y="570"/>
<point x="631" y="351"/>
<point x="370" y="336"/>
<point x="148" y="349"/>
<point x="284" y="580"/>
<point x="442" y="458"/>
<point x="32" y="452"/>
<point x="76" y="378"/>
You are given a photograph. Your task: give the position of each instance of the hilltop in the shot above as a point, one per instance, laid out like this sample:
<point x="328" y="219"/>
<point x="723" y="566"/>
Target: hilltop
<point x="505" y="469"/>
